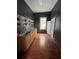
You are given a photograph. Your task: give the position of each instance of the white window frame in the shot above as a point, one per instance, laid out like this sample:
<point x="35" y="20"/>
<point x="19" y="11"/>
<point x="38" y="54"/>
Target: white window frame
<point x="43" y="22"/>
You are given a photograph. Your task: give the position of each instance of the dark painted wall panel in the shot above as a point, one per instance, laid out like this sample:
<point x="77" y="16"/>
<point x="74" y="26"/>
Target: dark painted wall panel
<point x="58" y="29"/>
<point x="23" y="9"/>
<point x="37" y="19"/>
<point x="56" y="12"/>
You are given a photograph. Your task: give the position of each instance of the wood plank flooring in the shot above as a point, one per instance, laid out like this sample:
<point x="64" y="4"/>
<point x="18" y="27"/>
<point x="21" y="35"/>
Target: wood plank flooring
<point x="43" y="47"/>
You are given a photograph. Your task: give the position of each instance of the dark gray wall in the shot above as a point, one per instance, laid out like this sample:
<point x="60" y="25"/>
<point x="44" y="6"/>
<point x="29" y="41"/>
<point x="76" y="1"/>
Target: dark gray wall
<point x="56" y="12"/>
<point x="37" y="20"/>
<point x="23" y="9"/>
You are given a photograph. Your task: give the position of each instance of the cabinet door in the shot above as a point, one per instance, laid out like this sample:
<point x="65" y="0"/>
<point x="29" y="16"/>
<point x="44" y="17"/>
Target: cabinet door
<point x="50" y="27"/>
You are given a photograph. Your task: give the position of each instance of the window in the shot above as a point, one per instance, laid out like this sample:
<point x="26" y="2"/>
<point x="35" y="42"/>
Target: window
<point x="43" y="23"/>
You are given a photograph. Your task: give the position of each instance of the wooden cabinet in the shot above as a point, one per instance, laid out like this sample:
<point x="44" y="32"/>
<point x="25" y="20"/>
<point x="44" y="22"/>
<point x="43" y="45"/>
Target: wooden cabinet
<point x="23" y="43"/>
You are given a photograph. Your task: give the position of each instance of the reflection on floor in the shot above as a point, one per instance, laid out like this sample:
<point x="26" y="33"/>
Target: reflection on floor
<point x="43" y="47"/>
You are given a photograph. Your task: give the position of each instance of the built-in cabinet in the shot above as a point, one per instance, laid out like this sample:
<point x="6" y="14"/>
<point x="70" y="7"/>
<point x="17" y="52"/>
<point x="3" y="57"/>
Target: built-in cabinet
<point x="51" y="26"/>
<point x="25" y="32"/>
<point x="24" y="42"/>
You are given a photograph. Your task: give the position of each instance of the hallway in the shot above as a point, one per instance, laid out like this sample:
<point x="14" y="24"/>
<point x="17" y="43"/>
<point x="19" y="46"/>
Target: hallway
<point x="43" y="47"/>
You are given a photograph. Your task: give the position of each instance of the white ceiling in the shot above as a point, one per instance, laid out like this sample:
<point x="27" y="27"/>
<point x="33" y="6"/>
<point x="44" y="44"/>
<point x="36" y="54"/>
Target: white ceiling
<point x="41" y="5"/>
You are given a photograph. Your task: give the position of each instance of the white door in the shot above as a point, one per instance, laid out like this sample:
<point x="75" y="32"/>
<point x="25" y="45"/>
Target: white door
<point x="50" y="27"/>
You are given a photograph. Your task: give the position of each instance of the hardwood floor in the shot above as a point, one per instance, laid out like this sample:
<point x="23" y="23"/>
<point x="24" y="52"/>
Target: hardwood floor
<point x="43" y="47"/>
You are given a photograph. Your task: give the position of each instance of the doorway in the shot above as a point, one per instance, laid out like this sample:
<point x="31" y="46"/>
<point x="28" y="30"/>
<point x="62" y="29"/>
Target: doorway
<point x="43" y="23"/>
